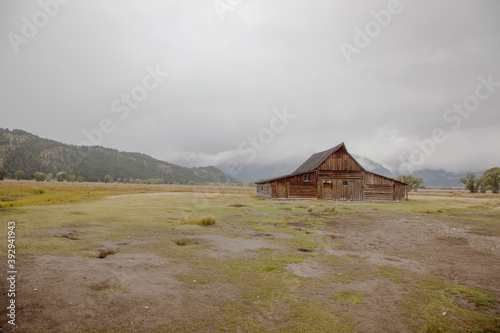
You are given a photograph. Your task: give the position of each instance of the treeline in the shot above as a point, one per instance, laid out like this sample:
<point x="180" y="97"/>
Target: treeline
<point x="489" y="181"/>
<point x="22" y="151"/>
<point x="63" y="176"/>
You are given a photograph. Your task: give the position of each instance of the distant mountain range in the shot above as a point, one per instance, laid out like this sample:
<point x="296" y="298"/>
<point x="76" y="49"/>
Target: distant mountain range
<point x="432" y="178"/>
<point x="20" y="150"/>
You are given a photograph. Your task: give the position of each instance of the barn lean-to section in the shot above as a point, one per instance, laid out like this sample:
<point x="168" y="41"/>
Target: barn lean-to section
<point x="335" y="175"/>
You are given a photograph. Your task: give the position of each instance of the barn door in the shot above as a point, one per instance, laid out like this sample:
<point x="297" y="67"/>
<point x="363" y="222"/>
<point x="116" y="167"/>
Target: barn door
<point x="282" y="191"/>
<point x="338" y="193"/>
<point x="327" y="191"/>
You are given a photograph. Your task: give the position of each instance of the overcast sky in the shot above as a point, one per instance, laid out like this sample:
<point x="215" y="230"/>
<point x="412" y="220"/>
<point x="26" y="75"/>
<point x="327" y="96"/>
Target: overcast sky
<point x="189" y="81"/>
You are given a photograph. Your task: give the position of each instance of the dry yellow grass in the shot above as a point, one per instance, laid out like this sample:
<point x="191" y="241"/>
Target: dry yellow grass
<point x="28" y="193"/>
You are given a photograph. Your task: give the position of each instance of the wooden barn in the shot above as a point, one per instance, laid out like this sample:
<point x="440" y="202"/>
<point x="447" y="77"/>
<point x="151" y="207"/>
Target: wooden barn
<point x="332" y="174"/>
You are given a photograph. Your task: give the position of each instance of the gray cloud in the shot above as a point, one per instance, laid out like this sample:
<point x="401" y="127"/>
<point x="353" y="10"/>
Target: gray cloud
<point x="226" y="77"/>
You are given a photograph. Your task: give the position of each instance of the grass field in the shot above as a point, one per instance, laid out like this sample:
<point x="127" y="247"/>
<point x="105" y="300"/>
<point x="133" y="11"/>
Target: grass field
<point x="150" y="259"/>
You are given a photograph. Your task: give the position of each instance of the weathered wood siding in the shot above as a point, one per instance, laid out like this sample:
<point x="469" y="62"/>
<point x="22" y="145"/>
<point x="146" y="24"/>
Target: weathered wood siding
<point x="340" y="161"/>
<point x="302" y="190"/>
<point x="294" y="187"/>
<point x="399" y="192"/>
<point x="264" y="190"/>
<point x="342" y="192"/>
<point x="372" y="178"/>
<point x="378" y="192"/>
<point x="328" y="175"/>
<point x="378" y="187"/>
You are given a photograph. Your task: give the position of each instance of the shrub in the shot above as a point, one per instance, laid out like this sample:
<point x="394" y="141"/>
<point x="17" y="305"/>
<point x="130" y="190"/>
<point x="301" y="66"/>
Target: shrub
<point x="19" y="174"/>
<point x="61" y="176"/>
<point x="310" y="209"/>
<point x="204" y="220"/>
<point x="40" y="176"/>
<point x="330" y="210"/>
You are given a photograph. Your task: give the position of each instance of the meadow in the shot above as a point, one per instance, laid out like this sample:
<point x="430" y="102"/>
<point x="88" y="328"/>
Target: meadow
<point x="167" y="258"/>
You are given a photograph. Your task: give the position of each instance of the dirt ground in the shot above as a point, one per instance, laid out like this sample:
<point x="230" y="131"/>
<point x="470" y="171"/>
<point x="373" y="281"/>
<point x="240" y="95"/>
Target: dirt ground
<point x="145" y="291"/>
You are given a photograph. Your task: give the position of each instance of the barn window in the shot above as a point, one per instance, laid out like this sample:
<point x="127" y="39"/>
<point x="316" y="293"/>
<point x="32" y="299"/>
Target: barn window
<point x="307" y="178"/>
<point x="345" y="183"/>
<point x="351" y="183"/>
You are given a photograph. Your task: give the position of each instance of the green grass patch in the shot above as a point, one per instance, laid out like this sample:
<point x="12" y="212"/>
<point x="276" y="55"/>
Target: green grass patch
<point x="349" y="297"/>
<point x="393" y="274"/>
<point x="435" y="306"/>
<point x="313" y="316"/>
<point x="301" y="242"/>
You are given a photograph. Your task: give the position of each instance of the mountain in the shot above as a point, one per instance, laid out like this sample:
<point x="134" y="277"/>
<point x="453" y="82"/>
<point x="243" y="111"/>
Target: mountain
<point x="442" y="178"/>
<point x="20" y="150"/>
<point x="373" y="166"/>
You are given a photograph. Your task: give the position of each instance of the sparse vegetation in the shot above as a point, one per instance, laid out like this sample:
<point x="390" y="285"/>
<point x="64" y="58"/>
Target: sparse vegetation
<point x="204" y="220"/>
<point x="106" y="289"/>
<point x="330" y="210"/>
<point x="105" y="253"/>
<point x="349" y="297"/>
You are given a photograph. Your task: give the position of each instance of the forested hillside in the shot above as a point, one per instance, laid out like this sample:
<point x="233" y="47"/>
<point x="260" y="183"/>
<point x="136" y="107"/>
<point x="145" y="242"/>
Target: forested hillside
<point x="20" y="150"/>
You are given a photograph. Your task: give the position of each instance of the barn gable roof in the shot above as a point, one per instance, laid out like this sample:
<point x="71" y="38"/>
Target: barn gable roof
<point x="315" y="160"/>
<point x="311" y="164"/>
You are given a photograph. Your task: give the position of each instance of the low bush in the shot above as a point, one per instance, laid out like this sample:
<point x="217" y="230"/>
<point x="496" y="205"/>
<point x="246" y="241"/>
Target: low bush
<point x="204" y="220"/>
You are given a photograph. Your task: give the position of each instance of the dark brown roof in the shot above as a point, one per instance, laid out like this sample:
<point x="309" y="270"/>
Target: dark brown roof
<point x="311" y="164"/>
<point x="315" y="160"/>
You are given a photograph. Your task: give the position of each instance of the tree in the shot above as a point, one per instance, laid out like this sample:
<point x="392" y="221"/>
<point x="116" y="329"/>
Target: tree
<point x="131" y="180"/>
<point x="118" y="180"/>
<point x="49" y="177"/>
<point x="492" y="178"/>
<point x="481" y="184"/>
<point x="2" y="174"/>
<point x="470" y="182"/>
<point x="413" y="182"/>
<point x="108" y="179"/>
<point x="80" y="179"/>
<point x="19" y="174"/>
<point x="40" y="176"/>
<point x="72" y="178"/>
<point x="61" y="176"/>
